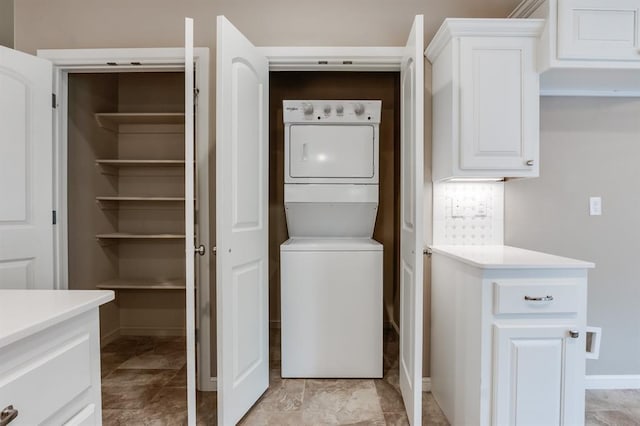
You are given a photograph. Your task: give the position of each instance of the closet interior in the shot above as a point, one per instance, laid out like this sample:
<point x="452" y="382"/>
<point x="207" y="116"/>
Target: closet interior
<point x="335" y="85"/>
<point x="125" y="164"/>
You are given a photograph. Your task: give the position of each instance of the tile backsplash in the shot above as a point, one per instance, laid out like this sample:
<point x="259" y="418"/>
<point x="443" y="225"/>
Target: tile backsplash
<point x="468" y="213"/>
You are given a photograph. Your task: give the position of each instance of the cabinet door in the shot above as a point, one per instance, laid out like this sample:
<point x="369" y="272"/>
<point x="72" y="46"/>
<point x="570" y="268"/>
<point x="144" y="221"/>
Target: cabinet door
<point x="596" y="29"/>
<point x="499" y="105"/>
<point x="534" y="380"/>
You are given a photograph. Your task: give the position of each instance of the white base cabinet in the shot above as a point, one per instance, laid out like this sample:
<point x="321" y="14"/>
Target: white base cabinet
<point x="50" y="356"/>
<point x="485" y="99"/>
<point x="508" y="342"/>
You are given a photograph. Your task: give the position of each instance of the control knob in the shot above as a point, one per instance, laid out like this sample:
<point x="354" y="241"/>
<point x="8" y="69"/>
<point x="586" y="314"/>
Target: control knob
<point x="358" y="109"/>
<point x="327" y="109"/>
<point x="307" y="109"/>
<point x="340" y="109"/>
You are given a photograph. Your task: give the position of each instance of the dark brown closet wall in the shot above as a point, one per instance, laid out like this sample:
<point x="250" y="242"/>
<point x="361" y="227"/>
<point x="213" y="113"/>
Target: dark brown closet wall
<point x="382" y="86"/>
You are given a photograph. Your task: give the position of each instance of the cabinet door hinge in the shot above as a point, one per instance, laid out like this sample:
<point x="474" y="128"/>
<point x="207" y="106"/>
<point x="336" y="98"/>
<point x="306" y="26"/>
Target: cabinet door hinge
<point x="54" y="217"/>
<point x="54" y="103"/>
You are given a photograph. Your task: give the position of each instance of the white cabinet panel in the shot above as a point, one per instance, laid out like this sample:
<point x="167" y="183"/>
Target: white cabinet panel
<point x="499" y="103"/>
<point x="485" y="99"/>
<point x="596" y="29"/>
<point x="529" y="365"/>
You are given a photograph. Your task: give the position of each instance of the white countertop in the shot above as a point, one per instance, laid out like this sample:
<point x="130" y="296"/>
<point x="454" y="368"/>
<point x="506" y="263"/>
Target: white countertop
<point x="506" y="257"/>
<point x="25" y="312"/>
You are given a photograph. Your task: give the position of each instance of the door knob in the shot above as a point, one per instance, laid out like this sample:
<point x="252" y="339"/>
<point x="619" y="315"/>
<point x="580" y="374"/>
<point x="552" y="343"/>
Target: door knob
<point x="7" y="415"/>
<point x="529" y="163"/>
<point x="201" y="250"/>
<point x="574" y="334"/>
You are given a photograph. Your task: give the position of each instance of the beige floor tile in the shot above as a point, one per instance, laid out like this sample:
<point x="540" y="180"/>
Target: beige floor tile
<point x="127" y="397"/>
<point x="389" y="396"/>
<point x="109" y="361"/>
<point x="138" y="377"/>
<point x="612" y="399"/>
<point x="282" y="395"/>
<point x="265" y="418"/>
<point x="610" y="418"/>
<point x="431" y="412"/>
<point x="396" y="419"/>
<point x="341" y="401"/>
<point x="156" y="361"/>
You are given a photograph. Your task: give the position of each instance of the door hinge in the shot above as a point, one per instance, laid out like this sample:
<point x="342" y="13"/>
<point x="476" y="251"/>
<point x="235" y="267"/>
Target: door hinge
<point x="54" y="103"/>
<point x="54" y="217"/>
<point x="196" y="92"/>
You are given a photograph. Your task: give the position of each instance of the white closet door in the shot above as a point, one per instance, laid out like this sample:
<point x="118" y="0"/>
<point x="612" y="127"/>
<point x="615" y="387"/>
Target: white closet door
<point x="242" y="178"/>
<point x="189" y="219"/>
<point x="26" y="227"/>
<point x="412" y="222"/>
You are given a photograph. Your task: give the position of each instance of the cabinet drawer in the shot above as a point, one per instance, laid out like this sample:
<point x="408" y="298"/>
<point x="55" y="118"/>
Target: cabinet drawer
<point x="45" y="383"/>
<point x="597" y="29"/>
<point x="531" y="297"/>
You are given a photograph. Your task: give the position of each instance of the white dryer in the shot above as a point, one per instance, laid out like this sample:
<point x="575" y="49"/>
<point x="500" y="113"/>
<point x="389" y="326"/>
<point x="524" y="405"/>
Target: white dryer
<point x="331" y="268"/>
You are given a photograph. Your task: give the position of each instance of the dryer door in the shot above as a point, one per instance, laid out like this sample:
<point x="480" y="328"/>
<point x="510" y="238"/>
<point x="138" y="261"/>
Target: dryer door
<point x="331" y="154"/>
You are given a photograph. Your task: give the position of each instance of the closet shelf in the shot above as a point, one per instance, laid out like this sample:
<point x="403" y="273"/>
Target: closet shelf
<point x="140" y="163"/>
<point x="111" y="120"/>
<point x="127" y="236"/>
<point x="127" y="284"/>
<point x="151" y="199"/>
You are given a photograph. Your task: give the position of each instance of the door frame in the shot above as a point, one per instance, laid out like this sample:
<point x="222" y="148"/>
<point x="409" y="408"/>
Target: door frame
<point x="340" y="58"/>
<point x="73" y="61"/>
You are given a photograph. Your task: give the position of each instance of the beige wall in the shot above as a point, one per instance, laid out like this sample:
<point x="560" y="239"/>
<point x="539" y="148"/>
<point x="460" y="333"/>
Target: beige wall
<point x="41" y="24"/>
<point x="6" y="23"/>
<point x="589" y="147"/>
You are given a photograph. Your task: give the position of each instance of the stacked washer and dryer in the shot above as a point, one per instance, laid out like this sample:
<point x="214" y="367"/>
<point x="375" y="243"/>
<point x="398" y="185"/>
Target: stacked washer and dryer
<point x="331" y="268"/>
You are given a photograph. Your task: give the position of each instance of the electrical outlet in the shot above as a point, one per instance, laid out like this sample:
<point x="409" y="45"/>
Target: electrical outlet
<point x="595" y="206"/>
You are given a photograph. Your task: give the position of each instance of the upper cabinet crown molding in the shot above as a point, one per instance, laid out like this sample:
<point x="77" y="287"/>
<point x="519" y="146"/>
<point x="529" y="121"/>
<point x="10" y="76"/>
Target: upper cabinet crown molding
<point x="588" y="47"/>
<point x="469" y="27"/>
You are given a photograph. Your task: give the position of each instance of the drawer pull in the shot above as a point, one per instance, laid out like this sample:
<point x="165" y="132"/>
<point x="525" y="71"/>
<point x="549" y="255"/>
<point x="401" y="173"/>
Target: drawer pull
<point x="538" y="299"/>
<point x="7" y="415"/>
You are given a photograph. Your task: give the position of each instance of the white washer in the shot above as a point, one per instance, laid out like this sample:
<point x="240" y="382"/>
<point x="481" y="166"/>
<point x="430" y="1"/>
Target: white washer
<point x="331" y="303"/>
<point x="331" y="269"/>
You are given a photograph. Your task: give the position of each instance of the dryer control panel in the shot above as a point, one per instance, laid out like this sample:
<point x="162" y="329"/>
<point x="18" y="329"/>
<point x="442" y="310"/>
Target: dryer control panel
<point x="332" y="111"/>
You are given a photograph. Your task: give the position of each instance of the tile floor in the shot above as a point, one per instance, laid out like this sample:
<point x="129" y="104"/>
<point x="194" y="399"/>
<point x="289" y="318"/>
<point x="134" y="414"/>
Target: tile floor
<point x="144" y="383"/>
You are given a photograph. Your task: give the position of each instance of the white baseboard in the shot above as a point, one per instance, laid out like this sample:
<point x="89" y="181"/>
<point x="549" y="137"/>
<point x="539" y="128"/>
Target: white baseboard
<point x="426" y="384"/>
<point x="152" y="331"/>
<point x="622" y="381"/>
<point x="109" y="337"/>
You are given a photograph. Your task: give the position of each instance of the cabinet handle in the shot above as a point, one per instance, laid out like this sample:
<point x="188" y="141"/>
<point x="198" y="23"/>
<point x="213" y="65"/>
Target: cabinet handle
<point x="529" y="163"/>
<point x="574" y="334"/>
<point x="7" y="415"/>
<point x="201" y="250"/>
<point x="538" y="299"/>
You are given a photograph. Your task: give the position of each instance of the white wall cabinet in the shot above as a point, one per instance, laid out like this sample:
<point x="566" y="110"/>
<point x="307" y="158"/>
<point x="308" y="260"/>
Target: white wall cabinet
<point x="508" y="336"/>
<point x="598" y="30"/>
<point x="588" y="47"/>
<point x="485" y="99"/>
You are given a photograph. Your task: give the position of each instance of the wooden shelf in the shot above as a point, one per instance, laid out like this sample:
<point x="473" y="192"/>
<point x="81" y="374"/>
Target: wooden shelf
<point x="140" y="163"/>
<point x="127" y="236"/>
<point x="111" y="120"/>
<point x="151" y="199"/>
<point x="126" y="284"/>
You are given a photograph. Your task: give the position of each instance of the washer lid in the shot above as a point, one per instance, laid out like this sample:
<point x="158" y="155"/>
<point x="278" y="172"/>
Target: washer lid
<point x="331" y="244"/>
